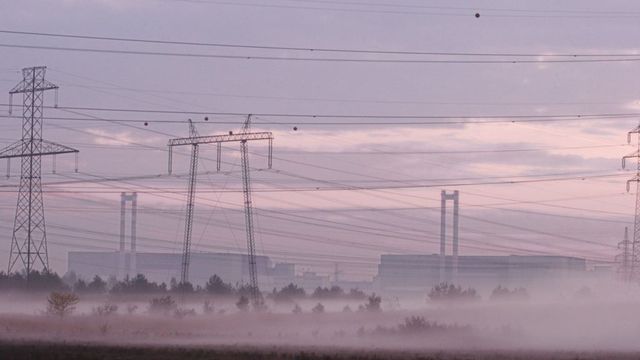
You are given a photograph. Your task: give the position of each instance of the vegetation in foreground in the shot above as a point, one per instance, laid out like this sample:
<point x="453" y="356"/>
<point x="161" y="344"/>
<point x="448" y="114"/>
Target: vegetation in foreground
<point x="46" y="351"/>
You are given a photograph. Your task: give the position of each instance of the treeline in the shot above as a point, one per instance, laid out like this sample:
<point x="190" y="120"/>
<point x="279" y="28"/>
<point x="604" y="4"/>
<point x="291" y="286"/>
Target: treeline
<point x="447" y="292"/>
<point x="38" y="281"/>
<point x="139" y="284"/>
<point x="293" y="292"/>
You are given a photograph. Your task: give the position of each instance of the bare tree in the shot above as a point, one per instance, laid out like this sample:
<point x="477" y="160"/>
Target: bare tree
<point x="61" y="304"/>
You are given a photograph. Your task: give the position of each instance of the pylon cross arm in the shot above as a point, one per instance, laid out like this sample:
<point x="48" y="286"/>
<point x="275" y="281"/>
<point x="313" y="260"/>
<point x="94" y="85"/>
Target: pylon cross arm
<point x="22" y="148"/>
<point x="634" y="179"/>
<point x="27" y="87"/>
<point x="266" y="135"/>
<point x="635" y="154"/>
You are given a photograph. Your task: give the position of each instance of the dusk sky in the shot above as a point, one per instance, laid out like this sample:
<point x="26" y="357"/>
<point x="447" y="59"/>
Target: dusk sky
<point x="344" y="188"/>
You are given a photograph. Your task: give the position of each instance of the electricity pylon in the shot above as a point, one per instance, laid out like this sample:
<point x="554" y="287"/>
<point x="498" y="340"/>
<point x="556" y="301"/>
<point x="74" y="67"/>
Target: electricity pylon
<point x="455" y="197"/>
<point x="624" y="258"/>
<point x="248" y="217"/>
<point x="195" y="140"/>
<point x="635" y="248"/>
<point x="29" y="239"/>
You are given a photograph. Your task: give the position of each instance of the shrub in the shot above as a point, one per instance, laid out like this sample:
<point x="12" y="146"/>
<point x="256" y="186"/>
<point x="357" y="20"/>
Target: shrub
<point x="105" y="310"/>
<point x="207" y="307"/>
<point x="504" y="293"/>
<point x="243" y="303"/>
<point x="449" y="292"/>
<point x="182" y="313"/>
<point x="373" y="303"/>
<point x="162" y="305"/>
<point x="131" y="309"/>
<point x="318" y="309"/>
<point x="417" y="325"/>
<point x="61" y="304"/>
<point x="297" y="309"/>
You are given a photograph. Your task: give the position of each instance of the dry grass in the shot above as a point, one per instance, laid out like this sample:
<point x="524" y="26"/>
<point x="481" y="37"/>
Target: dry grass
<point x="54" y="351"/>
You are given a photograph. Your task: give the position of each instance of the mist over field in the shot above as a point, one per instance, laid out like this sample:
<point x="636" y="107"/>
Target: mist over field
<point x="595" y="319"/>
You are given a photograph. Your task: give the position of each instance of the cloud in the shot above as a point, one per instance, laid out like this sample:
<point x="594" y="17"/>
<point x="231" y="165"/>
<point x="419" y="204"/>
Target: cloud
<point x="104" y="137"/>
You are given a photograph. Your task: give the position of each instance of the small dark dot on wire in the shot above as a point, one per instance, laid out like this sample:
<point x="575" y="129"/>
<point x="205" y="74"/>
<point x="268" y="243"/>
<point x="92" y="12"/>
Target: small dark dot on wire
<point x="477" y="15"/>
<point x="295" y="128"/>
<point x="146" y="123"/>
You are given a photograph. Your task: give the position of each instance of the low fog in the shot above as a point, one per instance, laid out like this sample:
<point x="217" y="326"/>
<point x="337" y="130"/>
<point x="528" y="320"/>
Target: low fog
<point x="568" y="317"/>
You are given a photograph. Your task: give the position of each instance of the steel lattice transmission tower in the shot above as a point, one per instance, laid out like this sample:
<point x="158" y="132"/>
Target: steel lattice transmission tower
<point x="29" y="239"/>
<point x="248" y="216"/>
<point x="195" y="140"/>
<point x="635" y="247"/>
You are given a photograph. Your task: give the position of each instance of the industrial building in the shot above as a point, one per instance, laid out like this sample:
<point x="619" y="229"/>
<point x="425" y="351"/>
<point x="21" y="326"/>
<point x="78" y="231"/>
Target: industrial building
<point x="162" y="267"/>
<point x="418" y="273"/>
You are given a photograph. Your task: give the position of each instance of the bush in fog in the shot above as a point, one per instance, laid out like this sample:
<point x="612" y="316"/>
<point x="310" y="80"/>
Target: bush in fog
<point x="288" y="293"/>
<point x="318" y="309"/>
<point x="504" y="293"/>
<point x="216" y="286"/>
<point x="347" y="308"/>
<point x="373" y="304"/>
<point x="207" y="307"/>
<point x="418" y="325"/>
<point x="243" y="303"/>
<point x="61" y="304"/>
<point x="162" y="305"/>
<point x="137" y="284"/>
<point x="449" y="292"/>
<point x="297" y="309"/>
<point x="105" y="310"/>
<point x="131" y="309"/>
<point x="182" y="313"/>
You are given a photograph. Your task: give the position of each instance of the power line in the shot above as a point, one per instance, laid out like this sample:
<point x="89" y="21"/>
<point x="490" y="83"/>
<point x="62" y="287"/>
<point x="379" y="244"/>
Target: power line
<point x="307" y="49"/>
<point x="486" y="118"/>
<point x="467" y="12"/>
<point x="312" y="59"/>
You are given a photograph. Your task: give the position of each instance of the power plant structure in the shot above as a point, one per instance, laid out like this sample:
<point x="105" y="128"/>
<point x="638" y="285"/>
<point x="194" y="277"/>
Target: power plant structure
<point x="444" y="197"/>
<point x="635" y="243"/>
<point x="128" y="268"/>
<point x="29" y="238"/>
<point x="195" y="140"/>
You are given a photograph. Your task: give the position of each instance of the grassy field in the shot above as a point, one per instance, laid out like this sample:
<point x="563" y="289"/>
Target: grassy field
<point x="56" y="351"/>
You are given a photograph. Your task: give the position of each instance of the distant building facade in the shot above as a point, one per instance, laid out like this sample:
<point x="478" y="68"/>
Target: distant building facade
<point x="418" y="273"/>
<point x="162" y="267"/>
